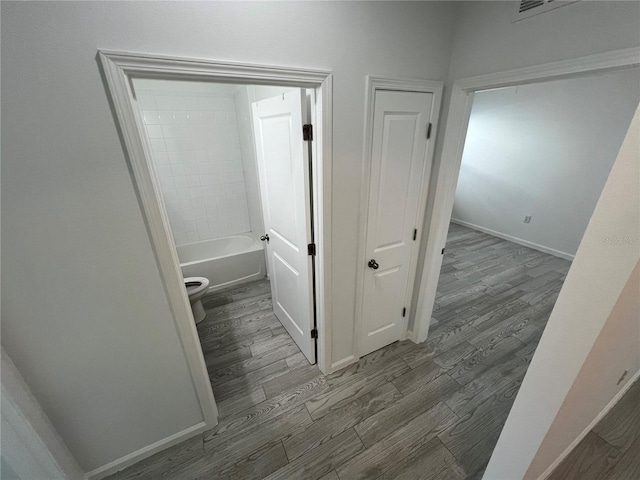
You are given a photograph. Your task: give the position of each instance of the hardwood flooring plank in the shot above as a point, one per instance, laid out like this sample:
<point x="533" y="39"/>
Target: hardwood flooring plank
<point x="322" y="460"/>
<point x="592" y="459"/>
<point x="432" y="461"/>
<point x="154" y="466"/>
<point x="218" y="347"/>
<point x="227" y="313"/>
<point x="381" y="458"/>
<point x="292" y="379"/>
<point x="332" y="475"/>
<point x="213" y="311"/>
<point x="257" y="466"/>
<point x="264" y="412"/>
<point x="250" y="380"/>
<point x="414" y="379"/>
<point x="472" y="439"/>
<point x="359" y="385"/>
<point x="235" y="337"/>
<point x="219" y="375"/>
<point x="403" y="411"/>
<point x="297" y="361"/>
<point x="240" y="402"/>
<point x="213" y="329"/>
<point x="243" y="445"/>
<point x="498" y="313"/>
<point x="504" y="377"/>
<point x="338" y="421"/>
<point x="628" y="467"/>
<point x="268" y="344"/>
<point x="485" y="358"/>
<point x="455" y="355"/>
<point x="621" y="426"/>
<point x="222" y="361"/>
<point x="234" y="294"/>
<point x="239" y="328"/>
<point x="510" y="325"/>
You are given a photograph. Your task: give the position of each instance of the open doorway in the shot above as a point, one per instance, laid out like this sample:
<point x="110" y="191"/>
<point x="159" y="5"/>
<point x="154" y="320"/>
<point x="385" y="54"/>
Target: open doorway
<point x="231" y="215"/>
<point x="532" y="171"/>
<point x="233" y="162"/>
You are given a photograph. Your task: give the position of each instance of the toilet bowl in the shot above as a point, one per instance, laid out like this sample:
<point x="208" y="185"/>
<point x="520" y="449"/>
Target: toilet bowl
<point x="196" y="289"/>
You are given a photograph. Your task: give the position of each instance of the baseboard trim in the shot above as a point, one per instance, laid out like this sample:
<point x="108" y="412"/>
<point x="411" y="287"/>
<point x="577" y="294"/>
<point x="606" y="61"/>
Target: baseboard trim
<point x="145" y="452"/>
<point x="234" y="283"/>
<point x="590" y="427"/>
<point x="519" y="241"/>
<point x="343" y="363"/>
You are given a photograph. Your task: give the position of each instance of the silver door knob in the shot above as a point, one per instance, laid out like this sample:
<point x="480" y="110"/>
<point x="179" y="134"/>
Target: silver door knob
<point x="373" y="264"/>
<point x="265" y="237"/>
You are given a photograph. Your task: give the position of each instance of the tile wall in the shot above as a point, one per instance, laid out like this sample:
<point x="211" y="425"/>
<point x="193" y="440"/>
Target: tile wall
<point x="196" y="153"/>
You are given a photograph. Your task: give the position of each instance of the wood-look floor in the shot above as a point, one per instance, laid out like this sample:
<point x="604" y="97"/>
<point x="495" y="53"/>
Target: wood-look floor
<point x="407" y="411"/>
<point x="611" y="451"/>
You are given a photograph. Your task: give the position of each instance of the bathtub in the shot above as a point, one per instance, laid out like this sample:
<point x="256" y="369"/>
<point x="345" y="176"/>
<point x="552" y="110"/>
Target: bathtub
<point x="225" y="261"/>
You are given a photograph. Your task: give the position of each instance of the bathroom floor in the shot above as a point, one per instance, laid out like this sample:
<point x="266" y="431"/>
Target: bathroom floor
<point x="428" y="411"/>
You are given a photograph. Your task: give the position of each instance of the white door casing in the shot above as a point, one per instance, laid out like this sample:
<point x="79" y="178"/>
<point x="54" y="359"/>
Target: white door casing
<point x="398" y="160"/>
<point x="283" y="163"/>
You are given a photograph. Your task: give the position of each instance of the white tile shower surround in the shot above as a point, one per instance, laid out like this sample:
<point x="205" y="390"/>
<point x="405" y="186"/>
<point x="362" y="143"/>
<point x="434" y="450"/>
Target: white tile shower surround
<point x="196" y="154"/>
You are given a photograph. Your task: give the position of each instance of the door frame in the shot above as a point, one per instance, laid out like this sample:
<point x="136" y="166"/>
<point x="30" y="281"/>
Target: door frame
<point x="463" y="90"/>
<point x="119" y="68"/>
<point x="373" y="85"/>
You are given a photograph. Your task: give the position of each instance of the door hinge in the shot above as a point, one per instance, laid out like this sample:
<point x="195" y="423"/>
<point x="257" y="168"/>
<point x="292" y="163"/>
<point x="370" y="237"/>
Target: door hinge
<point x="404" y="311"/>
<point x="415" y="233"/>
<point x="311" y="249"/>
<point x="314" y="333"/>
<point x="307" y="132"/>
<point x="429" y="130"/>
<point x="443" y="251"/>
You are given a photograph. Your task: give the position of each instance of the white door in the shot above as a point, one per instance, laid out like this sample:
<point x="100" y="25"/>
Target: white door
<point x="398" y="158"/>
<point x="283" y="164"/>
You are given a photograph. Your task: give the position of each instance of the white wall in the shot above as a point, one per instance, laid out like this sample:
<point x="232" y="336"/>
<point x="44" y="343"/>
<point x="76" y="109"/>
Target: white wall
<point x="605" y="260"/>
<point x="597" y="382"/>
<point x="486" y="40"/>
<point x="249" y="159"/>
<point x="195" y="142"/>
<point x="85" y="316"/>
<point x="30" y="446"/>
<point x="543" y="150"/>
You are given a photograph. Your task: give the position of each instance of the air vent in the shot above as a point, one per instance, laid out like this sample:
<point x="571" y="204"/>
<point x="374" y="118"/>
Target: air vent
<point x="529" y="8"/>
<point x="526" y="5"/>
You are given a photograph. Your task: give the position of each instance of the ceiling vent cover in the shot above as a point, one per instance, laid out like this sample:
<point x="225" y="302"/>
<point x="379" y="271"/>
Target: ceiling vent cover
<point x="529" y="8"/>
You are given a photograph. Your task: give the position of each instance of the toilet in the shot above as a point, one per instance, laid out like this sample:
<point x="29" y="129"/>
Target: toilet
<point x="197" y="287"/>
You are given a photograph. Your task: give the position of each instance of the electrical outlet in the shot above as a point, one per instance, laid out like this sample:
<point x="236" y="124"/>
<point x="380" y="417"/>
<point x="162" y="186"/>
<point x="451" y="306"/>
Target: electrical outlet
<point x="527" y="219"/>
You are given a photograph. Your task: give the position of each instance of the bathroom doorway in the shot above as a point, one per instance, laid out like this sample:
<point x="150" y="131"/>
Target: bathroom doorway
<point x="224" y="192"/>
<point x="233" y="163"/>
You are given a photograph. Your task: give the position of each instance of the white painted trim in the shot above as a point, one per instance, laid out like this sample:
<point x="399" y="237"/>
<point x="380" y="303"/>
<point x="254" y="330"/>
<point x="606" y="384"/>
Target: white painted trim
<point x="344" y="362"/>
<point x="453" y="145"/>
<point x="519" y="241"/>
<point x="145" y="452"/>
<point x="119" y="69"/>
<point x="590" y="427"/>
<point x="30" y="443"/>
<point x="374" y="84"/>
